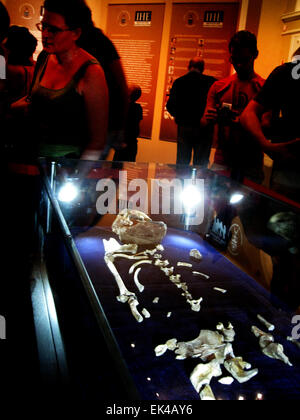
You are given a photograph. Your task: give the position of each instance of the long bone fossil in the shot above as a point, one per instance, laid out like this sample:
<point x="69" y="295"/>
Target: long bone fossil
<point x="124" y="294"/>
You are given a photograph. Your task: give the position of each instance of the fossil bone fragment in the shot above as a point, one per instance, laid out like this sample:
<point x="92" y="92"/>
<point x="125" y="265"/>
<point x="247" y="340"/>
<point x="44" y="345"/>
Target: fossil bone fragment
<point x="175" y="278"/>
<point x="264" y="338"/>
<point x="124" y="293"/>
<point x="297" y="343"/>
<point x="275" y="351"/>
<point x="156" y="300"/>
<point x="237" y="368"/>
<point x="134" y="265"/>
<point x="195" y="304"/>
<point x="203" y="373"/>
<point x="157" y="256"/>
<point x="222" y="353"/>
<point x="195" y="253"/>
<point x="140" y="286"/>
<point x="172" y="344"/>
<point x="169" y="345"/>
<point x="149" y="251"/>
<point x="115" y="255"/>
<point x="160" y="349"/>
<point x="133" y="303"/>
<point x="207" y="394"/>
<point x="220" y="290"/>
<point x="270" y="327"/>
<point x="167" y="270"/>
<point x="228" y="332"/>
<point x="135" y="227"/>
<point x="146" y="313"/>
<point x="206" y="344"/>
<point x="269" y="348"/>
<point x="197" y="273"/>
<point x="161" y="263"/>
<point x="112" y="245"/>
<point x="227" y="380"/>
<point x="183" y="264"/>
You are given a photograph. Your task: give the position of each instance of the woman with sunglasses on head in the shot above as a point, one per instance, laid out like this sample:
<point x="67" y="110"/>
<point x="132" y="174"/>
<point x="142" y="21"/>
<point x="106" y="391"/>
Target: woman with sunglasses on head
<point x="69" y="98"/>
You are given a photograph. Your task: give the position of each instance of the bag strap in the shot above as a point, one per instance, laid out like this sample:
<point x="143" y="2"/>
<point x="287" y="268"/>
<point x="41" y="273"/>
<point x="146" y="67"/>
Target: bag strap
<point x="39" y="63"/>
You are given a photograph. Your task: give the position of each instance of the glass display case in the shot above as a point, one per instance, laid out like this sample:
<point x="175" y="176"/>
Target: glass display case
<point x="200" y="300"/>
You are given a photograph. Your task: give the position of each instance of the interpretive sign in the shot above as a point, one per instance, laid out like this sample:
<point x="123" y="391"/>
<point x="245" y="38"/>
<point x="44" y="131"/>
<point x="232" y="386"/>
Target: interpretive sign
<point x="136" y="32"/>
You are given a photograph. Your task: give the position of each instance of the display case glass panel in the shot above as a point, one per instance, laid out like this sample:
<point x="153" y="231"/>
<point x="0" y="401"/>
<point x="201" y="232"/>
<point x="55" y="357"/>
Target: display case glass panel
<point x="247" y="273"/>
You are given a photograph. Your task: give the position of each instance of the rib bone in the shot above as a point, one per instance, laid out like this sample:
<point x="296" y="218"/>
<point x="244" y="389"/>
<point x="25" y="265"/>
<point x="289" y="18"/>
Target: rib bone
<point x="140" y="286"/>
<point x="134" y="265"/>
<point x="267" y="324"/>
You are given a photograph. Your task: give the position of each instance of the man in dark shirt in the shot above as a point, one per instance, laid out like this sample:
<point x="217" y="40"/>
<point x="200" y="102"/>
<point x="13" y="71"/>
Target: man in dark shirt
<point x="280" y="94"/>
<point x="186" y="103"/>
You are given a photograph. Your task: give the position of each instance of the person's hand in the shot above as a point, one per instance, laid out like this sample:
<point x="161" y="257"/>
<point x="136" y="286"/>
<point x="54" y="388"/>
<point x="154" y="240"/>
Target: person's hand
<point x="281" y="151"/>
<point x="210" y="116"/>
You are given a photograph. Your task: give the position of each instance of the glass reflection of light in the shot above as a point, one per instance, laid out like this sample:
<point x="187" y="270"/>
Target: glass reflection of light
<point x="236" y="198"/>
<point x="259" y="396"/>
<point x="191" y="197"/>
<point x="68" y="192"/>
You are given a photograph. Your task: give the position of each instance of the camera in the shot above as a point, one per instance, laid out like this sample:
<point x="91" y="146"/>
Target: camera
<point x="225" y="114"/>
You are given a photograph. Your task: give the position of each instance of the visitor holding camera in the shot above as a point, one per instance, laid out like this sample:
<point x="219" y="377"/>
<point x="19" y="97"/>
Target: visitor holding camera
<point x="227" y="98"/>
